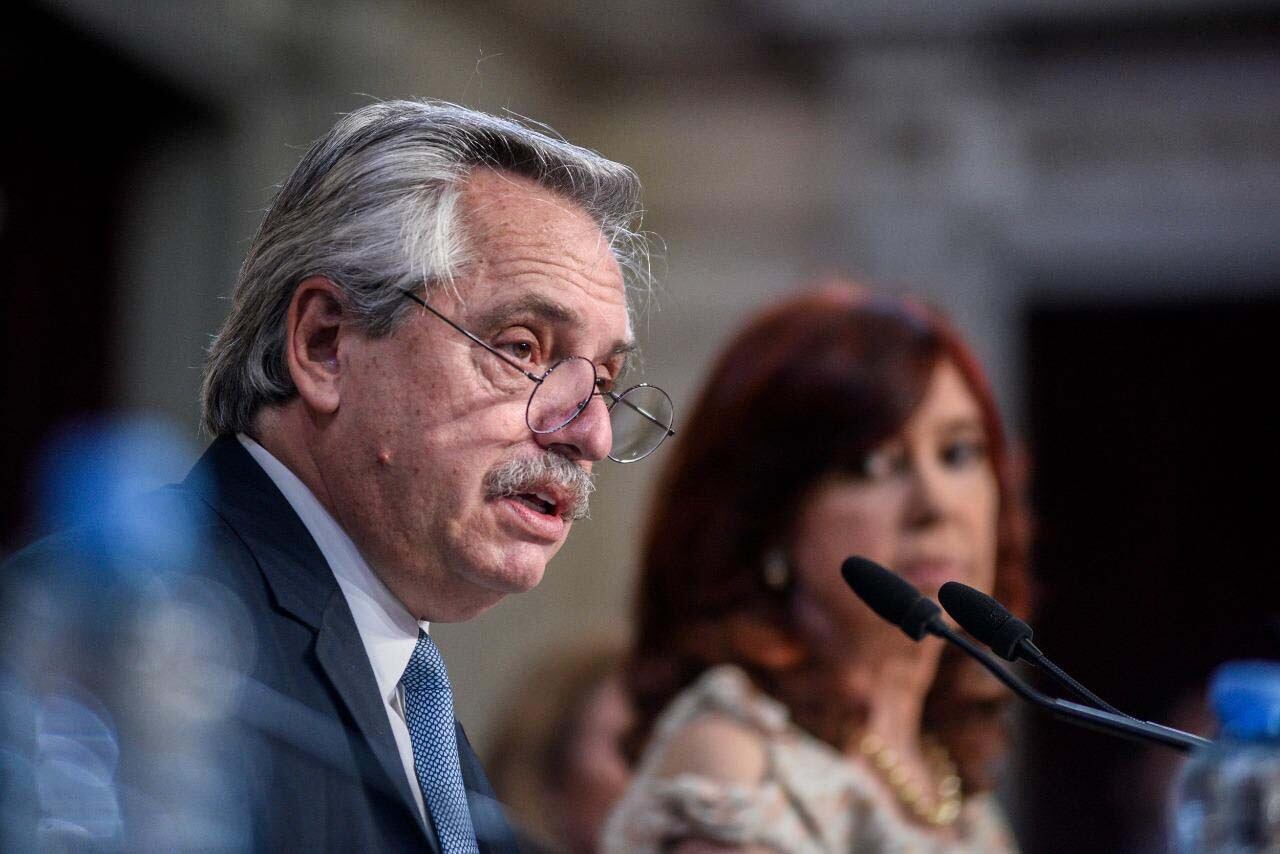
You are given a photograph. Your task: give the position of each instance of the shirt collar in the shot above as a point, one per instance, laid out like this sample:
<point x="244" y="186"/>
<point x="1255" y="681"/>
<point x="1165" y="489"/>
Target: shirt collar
<point x="389" y="632"/>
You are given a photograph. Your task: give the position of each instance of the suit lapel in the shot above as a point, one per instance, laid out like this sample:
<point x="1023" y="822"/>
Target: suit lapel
<point x="341" y="655"/>
<point x="493" y="833"/>
<point x="241" y="492"/>
<point x="303" y="585"/>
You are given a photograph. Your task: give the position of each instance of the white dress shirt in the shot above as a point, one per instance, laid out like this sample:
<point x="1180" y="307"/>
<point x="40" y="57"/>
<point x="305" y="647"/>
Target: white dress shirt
<point x="386" y="627"/>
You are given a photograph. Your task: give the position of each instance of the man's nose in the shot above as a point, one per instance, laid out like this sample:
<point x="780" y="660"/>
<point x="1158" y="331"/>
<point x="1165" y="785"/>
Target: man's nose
<point x="587" y="437"/>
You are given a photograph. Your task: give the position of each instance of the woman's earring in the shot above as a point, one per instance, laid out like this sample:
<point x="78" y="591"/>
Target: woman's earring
<point x="777" y="570"/>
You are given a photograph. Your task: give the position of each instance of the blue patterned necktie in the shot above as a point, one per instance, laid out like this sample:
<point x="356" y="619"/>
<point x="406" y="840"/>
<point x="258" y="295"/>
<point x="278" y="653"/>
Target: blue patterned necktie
<point x="428" y="707"/>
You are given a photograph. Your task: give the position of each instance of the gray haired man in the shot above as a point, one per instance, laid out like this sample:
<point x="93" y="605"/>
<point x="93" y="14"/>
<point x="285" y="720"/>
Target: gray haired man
<point x="418" y="372"/>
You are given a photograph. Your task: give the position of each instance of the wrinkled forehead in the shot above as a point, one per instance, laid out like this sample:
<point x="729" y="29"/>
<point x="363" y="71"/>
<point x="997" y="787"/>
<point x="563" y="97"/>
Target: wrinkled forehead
<point x="525" y="237"/>
<point x="500" y="205"/>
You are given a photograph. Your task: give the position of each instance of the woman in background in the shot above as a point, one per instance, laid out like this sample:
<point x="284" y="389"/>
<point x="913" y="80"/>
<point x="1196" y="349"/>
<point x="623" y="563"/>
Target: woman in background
<point x="776" y="712"/>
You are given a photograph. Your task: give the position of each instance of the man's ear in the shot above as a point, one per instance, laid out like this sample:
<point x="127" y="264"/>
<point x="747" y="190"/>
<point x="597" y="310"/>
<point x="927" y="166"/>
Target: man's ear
<point x="313" y="336"/>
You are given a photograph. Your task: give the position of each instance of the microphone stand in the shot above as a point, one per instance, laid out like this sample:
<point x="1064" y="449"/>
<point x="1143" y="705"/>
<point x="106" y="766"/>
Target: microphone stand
<point x="1096" y="719"/>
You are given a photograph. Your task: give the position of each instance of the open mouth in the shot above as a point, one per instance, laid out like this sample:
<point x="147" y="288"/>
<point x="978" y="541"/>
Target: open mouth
<point x="540" y="502"/>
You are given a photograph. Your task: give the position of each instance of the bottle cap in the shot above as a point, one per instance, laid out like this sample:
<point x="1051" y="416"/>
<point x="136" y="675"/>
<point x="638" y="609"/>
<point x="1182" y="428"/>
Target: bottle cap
<point x="1246" y="698"/>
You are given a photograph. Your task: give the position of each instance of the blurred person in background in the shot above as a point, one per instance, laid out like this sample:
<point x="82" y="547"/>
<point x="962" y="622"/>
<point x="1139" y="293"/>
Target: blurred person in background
<point x="415" y="379"/>
<point x="557" y="762"/>
<point x="776" y="712"/>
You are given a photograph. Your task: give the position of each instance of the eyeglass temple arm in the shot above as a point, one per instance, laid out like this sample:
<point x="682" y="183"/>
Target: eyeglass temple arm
<point x="617" y="398"/>
<point x="501" y="355"/>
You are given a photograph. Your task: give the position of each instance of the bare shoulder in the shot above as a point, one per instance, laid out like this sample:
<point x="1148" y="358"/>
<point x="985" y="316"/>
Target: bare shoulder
<point x="716" y="746"/>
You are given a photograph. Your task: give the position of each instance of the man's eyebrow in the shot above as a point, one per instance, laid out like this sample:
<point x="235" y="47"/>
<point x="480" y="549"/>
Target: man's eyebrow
<point x="539" y="306"/>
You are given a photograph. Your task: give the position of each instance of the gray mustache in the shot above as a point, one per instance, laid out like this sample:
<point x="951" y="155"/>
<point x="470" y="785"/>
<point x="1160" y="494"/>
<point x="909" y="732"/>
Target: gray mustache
<point x="529" y="474"/>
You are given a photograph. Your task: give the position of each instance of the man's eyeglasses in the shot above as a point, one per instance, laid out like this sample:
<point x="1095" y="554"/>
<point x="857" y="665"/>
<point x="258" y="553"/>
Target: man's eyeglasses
<point x="640" y="417"/>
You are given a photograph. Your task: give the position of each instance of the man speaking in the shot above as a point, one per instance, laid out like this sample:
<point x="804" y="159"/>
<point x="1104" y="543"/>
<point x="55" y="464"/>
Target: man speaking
<point x="422" y="362"/>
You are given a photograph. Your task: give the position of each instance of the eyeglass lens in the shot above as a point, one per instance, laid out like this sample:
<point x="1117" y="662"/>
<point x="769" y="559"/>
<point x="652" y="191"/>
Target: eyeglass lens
<point x="640" y="417"/>
<point x="565" y="391"/>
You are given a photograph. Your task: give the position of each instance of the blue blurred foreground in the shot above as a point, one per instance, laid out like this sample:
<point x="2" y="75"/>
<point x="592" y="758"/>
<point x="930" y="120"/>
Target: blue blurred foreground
<point x="119" y="659"/>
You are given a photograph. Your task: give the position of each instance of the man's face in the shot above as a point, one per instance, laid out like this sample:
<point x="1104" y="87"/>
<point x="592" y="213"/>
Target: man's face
<point x="425" y="415"/>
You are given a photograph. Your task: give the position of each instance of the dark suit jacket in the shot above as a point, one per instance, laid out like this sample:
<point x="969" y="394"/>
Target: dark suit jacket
<point x="305" y="748"/>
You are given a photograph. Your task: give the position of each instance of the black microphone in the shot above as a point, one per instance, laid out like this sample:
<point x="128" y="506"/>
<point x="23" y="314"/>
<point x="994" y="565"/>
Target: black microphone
<point x="990" y="622"/>
<point x="894" y="599"/>
<point x="986" y="619"/>
<point x="890" y="596"/>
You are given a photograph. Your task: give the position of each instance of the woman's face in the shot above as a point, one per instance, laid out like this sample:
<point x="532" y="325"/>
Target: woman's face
<point x="925" y="507"/>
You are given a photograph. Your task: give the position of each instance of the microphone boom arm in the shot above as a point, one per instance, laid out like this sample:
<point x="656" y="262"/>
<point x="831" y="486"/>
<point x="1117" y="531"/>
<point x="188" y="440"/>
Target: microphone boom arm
<point x="1096" y="719"/>
<point x="1033" y="654"/>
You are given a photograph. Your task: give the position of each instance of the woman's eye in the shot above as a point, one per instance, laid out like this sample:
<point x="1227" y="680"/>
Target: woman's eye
<point x="880" y="463"/>
<point x="961" y="453"/>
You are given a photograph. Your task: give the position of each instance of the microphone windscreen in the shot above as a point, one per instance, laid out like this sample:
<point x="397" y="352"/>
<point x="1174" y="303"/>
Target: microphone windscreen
<point x="889" y="595"/>
<point x="985" y="619"/>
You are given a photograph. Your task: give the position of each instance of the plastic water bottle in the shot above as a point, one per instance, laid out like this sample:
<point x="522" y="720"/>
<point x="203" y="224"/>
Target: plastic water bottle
<point x="1227" y="798"/>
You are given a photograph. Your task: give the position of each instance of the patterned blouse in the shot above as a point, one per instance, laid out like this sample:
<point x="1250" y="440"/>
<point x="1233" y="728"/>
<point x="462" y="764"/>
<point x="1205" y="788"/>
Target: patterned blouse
<point x="811" y="799"/>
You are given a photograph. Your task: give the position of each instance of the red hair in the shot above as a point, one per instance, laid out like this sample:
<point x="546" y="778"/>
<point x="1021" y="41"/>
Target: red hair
<point x="806" y="389"/>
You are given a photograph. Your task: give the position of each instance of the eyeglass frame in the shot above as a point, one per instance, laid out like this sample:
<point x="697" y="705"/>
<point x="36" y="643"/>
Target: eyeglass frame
<point x="539" y="379"/>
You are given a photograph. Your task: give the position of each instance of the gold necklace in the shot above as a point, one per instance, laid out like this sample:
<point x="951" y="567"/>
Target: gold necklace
<point x="944" y="807"/>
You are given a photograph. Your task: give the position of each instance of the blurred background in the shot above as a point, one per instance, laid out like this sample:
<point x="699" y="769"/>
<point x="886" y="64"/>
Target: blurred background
<point x="1089" y="188"/>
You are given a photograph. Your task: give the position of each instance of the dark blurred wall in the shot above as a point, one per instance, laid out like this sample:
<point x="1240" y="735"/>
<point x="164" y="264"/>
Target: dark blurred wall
<point x="79" y="120"/>
<point x="1156" y="465"/>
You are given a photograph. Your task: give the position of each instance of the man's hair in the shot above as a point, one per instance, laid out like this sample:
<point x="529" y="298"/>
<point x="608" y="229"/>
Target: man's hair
<point x="374" y="206"/>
